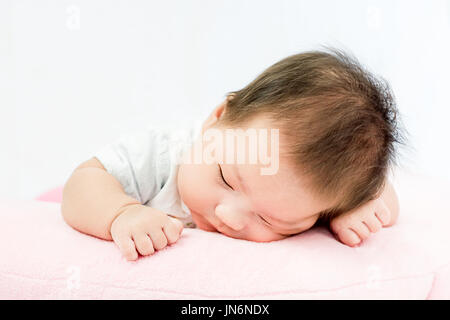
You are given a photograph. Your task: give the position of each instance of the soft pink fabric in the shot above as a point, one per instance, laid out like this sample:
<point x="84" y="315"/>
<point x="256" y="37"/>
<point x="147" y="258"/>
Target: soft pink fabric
<point x="52" y="195"/>
<point x="43" y="258"/>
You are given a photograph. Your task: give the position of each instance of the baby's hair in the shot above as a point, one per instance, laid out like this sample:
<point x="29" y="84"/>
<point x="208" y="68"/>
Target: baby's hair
<point x="339" y="122"/>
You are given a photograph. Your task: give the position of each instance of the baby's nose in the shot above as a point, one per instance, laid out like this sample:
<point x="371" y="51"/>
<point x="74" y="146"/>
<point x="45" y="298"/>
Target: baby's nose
<point x="231" y="217"/>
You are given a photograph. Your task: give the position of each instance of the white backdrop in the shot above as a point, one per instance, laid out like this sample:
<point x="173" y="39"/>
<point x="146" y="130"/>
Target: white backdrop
<point x="76" y="74"/>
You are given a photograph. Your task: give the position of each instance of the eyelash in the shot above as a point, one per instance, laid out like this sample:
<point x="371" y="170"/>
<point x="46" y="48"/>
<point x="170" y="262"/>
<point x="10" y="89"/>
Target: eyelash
<point x="264" y="220"/>
<point x="223" y="179"/>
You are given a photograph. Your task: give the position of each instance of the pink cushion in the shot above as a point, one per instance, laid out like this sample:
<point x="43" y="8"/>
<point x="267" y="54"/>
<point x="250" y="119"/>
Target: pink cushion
<point x="44" y="258"/>
<point x="52" y="195"/>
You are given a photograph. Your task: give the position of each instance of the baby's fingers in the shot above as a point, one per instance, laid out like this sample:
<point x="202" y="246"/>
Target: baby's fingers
<point x="349" y="237"/>
<point x="126" y="246"/>
<point x="172" y="229"/>
<point x="143" y="244"/>
<point x="383" y="214"/>
<point x="373" y="223"/>
<point x="362" y="229"/>
<point x="158" y="238"/>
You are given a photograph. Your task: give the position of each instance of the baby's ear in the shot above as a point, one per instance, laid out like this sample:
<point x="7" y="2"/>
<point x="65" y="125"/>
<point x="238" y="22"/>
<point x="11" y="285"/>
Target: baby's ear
<point x="220" y="110"/>
<point x="214" y="116"/>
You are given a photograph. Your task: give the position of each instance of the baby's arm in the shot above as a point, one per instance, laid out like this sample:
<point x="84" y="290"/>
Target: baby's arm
<point x="95" y="203"/>
<point x="353" y="227"/>
<point x="92" y="198"/>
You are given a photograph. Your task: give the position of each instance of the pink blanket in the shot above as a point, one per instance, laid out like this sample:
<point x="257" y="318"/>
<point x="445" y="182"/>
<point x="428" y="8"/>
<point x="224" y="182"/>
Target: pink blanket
<point x="43" y="258"/>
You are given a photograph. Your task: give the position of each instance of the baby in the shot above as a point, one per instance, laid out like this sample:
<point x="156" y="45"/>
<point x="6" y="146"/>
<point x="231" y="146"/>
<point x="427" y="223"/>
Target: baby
<point x="330" y="127"/>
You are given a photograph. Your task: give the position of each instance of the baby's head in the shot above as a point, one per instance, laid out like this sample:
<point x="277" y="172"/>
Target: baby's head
<point x="337" y="129"/>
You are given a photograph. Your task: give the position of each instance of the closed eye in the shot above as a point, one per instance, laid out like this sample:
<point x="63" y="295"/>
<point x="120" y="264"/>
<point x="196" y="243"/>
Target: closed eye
<point x="268" y="223"/>
<point x="223" y="179"/>
<point x="263" y="219"/>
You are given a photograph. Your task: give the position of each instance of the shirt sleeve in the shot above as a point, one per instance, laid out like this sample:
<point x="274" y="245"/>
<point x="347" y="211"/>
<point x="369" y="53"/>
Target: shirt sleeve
<point x="137" y="161"/>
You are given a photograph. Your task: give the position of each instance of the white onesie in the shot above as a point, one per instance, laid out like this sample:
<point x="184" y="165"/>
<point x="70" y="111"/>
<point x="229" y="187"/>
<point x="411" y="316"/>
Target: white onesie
<point x="146" y="162"/>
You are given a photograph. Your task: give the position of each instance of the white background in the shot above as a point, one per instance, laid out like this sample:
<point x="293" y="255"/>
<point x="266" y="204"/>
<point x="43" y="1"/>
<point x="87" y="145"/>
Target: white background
<point x="74" y="75"/>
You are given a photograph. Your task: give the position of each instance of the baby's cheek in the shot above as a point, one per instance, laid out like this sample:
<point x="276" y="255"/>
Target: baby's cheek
<point x="187" y="184"/>
<point x="306" y="226"/>
<point x="195" y="188"/>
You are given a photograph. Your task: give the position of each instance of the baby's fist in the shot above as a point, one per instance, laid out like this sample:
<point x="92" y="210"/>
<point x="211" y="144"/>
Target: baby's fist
<point x="143" y="229"/>
<point x="355" y="226"/>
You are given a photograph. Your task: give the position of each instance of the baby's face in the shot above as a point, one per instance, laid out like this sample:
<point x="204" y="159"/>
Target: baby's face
<point x="238" y="201"/>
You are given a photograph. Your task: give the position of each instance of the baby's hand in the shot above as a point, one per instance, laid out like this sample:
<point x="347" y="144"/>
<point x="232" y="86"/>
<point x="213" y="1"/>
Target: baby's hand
<point x="144" y="229"/>
<point x="356" y="225"/>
